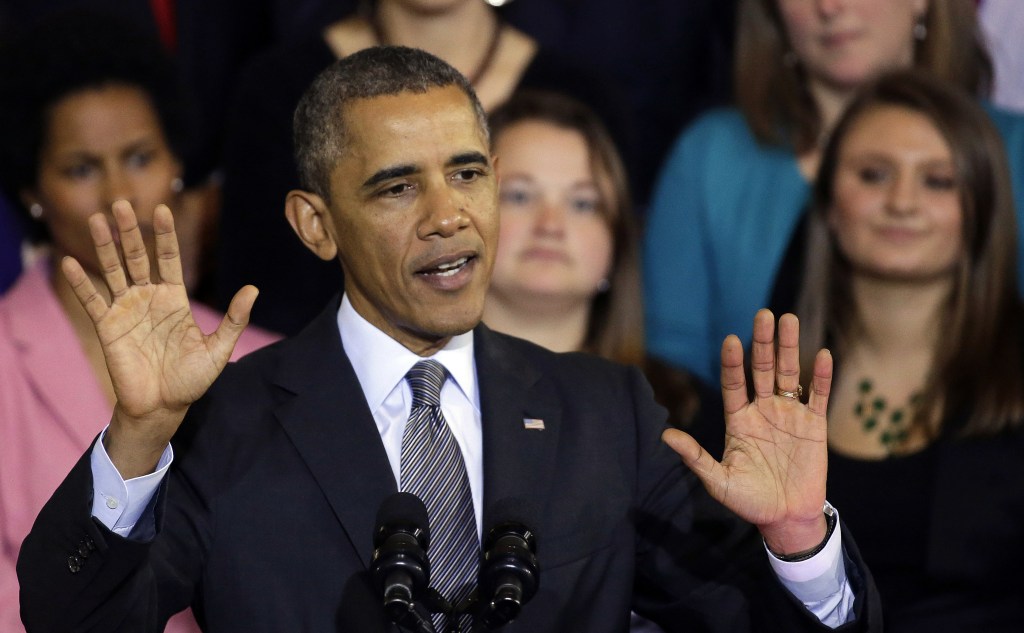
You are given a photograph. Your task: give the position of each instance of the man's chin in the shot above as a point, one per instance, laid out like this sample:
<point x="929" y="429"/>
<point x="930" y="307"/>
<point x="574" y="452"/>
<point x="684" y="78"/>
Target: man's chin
<point x="444" y="325"/>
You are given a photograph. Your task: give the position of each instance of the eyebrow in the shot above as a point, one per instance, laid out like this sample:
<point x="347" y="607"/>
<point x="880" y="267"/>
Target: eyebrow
<point x="399" y="171"/>
<point x="878" y="155"/>
<point x="88" y="154"/>
<point x="467" y="158"/>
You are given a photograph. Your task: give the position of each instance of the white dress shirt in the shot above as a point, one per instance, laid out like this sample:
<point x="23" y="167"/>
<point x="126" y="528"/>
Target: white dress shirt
<point x="381" y="363"/>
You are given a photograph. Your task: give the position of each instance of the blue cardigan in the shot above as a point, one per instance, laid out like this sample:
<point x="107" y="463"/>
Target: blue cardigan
<point x="722" y="215"/>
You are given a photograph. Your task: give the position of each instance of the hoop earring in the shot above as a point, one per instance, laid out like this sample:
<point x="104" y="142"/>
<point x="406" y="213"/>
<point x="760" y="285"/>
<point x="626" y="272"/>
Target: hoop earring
<point x="36" y="211"/>
<point x="177" y="185"/>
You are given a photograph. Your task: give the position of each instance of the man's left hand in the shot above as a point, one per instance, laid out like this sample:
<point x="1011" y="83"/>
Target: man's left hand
<point x="774" y="466"/>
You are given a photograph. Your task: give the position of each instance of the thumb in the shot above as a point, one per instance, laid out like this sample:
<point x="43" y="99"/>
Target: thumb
<point x="234" y="322"/>
<point x="706" y="467"/>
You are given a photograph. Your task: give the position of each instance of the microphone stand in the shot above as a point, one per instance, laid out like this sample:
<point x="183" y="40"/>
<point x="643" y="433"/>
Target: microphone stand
<point x="464" y="607"/>
<point x="416" y="621"/>
<point x="434" y="602"/>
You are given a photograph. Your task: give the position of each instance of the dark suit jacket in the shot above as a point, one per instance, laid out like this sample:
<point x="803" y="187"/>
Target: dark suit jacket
<point x="266" y="522"/>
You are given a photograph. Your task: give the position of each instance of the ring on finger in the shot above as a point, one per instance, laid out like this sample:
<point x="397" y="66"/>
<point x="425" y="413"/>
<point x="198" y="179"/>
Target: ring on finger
<point x="795" y="395"/>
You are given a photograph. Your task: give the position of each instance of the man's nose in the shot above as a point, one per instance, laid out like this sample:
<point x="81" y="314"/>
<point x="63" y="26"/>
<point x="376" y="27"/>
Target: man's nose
<point x="446" y="212"/>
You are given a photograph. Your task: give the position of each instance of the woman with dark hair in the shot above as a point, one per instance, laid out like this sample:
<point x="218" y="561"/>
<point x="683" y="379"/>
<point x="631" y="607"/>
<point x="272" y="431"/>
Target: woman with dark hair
<point x="89" y="114"/>
<point x="566" y="274"/>
<point x="737" y="183"/>
<point x="911" y="280"/>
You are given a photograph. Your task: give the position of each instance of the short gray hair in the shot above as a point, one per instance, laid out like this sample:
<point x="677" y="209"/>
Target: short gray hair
<point x="318" y="126"/>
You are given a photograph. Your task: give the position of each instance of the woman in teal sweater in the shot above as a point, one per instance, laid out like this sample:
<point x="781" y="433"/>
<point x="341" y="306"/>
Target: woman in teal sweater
<point x="737" y="182"/>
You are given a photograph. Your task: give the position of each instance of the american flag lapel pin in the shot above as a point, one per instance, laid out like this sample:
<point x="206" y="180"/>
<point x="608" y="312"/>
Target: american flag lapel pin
<point x="534" y="424"/>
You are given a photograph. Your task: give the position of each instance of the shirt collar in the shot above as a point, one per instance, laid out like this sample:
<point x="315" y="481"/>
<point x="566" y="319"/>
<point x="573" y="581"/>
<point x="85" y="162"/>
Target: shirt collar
<point x="381" y="362"/>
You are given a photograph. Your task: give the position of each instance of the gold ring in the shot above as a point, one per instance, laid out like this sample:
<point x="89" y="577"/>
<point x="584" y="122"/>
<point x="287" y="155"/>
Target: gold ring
<point x="796" y="395"/>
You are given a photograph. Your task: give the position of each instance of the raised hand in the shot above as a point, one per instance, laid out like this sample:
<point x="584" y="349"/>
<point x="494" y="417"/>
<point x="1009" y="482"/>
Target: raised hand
<point x="774" y="466"/>
<point x="160" y="362"/>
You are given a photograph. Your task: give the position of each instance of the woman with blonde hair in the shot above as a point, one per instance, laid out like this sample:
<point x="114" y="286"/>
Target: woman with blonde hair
<point x="566" y="274"/>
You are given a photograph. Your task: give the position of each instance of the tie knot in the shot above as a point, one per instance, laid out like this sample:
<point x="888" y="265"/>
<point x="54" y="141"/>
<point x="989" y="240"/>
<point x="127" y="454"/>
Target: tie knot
<point x="426" y="379"/>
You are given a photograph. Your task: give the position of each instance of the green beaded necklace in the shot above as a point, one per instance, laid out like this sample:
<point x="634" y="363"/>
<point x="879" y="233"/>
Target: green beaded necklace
<point x="874" y="413"/>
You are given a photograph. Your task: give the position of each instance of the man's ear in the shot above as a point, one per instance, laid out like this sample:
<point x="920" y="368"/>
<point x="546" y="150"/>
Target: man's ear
<point x="311" y="221"/>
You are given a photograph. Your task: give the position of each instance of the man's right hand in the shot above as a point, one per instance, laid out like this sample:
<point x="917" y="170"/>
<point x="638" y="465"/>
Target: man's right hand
<point x="160" y="362"/>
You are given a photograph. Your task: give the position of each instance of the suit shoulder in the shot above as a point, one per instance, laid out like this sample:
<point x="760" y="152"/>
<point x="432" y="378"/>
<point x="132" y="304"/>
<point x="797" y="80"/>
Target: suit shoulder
<point x="565" y="365"/>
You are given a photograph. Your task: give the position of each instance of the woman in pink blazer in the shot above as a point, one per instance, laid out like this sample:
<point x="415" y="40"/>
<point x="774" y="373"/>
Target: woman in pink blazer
<point x="90" y="116"/>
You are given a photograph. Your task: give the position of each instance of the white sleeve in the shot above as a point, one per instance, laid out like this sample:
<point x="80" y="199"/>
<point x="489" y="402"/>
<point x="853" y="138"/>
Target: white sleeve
<point x="820" y="582"/>
<point x="117" y="503"/>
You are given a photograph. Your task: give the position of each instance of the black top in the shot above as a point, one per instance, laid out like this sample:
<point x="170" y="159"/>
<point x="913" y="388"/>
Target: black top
<point x="256" y="245"/>
<point x="884" y="502"/>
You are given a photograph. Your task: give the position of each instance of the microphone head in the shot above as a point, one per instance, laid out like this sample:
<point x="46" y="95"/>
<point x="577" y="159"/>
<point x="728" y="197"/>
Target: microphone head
<point x="509" y="572"/>
<point x="399" y="566"/>
<point x="512" y="511"/>
<point x="402" y="511"/>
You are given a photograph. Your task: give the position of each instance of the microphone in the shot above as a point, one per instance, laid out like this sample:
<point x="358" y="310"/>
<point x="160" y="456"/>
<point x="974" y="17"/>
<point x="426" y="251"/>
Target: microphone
<point x="399" y="567"/>
<point x="509" y="574"/>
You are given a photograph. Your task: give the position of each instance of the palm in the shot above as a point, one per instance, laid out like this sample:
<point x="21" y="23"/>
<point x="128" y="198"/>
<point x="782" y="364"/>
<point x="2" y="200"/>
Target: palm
<point x="772" y="462"/>
<point x="156" y="355"/>
<point x="774" y="466"/>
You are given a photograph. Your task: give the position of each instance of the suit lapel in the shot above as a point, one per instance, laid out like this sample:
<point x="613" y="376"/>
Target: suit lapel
<point x="333" y="430"/>
<point x="518" y="461"/>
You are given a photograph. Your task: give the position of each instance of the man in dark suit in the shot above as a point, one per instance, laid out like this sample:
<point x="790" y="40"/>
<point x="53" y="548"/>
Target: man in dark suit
<point x="265" y="521"/>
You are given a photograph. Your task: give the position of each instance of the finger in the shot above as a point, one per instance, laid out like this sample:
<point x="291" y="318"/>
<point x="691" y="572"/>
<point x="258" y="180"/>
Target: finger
<point x="106" y="252"/>
<point x="234" y="322"/>
<point x="762" y="354"/>
<point x="93" y="302"/>
<point x="168" y="257"/>
<point x="734" y="382"/>
<point x="706" y="467"/>
<point x="136" y="260"/>
<point x="821" y="384"/>
<point x="787" y="369"/>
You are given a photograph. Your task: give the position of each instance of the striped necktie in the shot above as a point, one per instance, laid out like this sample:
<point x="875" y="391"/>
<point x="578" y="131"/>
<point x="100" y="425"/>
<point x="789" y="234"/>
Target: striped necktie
<point x="432" y="468"/>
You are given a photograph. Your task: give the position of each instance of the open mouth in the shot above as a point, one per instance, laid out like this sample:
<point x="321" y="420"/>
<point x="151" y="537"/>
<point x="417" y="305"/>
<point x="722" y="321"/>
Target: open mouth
<point x="448" y="269"/>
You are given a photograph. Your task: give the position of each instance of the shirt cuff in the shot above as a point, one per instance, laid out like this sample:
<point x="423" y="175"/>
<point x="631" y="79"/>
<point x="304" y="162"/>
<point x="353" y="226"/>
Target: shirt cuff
<point x="820" y="582"/>
<point x="117" y="503"/>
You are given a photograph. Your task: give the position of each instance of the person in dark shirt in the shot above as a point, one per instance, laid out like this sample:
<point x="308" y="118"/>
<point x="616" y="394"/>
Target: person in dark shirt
<point x="910" y="278"/>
